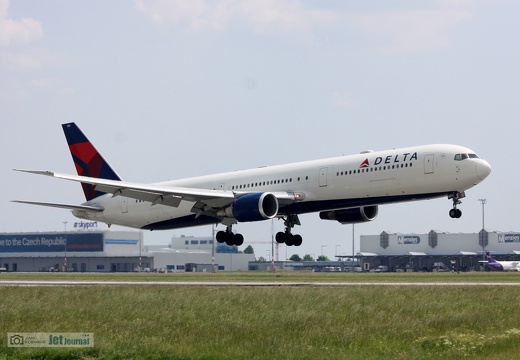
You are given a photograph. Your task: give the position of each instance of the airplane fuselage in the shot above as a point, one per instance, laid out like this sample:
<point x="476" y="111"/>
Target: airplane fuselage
<point x="355" y="181"/>
<point x="503" y="265"/>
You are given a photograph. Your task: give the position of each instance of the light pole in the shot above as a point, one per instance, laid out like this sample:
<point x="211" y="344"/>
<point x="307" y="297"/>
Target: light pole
<point x="273" y="268"/>
<point x="483" y="201"/>
<point x="140" y="250"/>
<point x="213" y="270"/>
<point x="65" y="248"/>
<point x="353" y="242"/>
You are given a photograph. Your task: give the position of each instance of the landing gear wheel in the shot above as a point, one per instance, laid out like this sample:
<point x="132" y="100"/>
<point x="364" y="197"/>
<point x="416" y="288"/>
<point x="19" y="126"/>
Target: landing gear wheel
<point x="238" y="239"/>
<point x="229" y="241"/>
<point x="221" y="237"/>
<point x="297" y="239"/>
<point x="287" y="237"/>
<point x="229" y="237"/>
<point x="455" y="213"/>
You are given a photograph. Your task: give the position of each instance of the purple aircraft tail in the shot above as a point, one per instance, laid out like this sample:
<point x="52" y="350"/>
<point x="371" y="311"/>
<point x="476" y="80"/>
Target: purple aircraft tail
<point x="492" y="264"/>
<point x="490" y="258"/>
<point x="87" y="159"/>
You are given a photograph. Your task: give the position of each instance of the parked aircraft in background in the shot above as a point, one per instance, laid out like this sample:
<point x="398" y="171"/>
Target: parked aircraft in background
<point x="495" y="265"/>
<point x="347" y="189"/>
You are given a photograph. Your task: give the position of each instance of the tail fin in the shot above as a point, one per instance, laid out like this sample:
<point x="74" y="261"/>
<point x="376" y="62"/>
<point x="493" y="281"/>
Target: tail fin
<point x="87" y="159"/>
<point x="490" y="258"/>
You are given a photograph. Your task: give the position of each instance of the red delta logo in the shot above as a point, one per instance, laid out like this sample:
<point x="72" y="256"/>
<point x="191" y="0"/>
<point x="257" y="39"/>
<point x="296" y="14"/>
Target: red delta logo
<point x="364" y="164"/>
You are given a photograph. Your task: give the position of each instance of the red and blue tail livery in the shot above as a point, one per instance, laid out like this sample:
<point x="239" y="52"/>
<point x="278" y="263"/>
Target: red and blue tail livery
<point x="87" y="159"/>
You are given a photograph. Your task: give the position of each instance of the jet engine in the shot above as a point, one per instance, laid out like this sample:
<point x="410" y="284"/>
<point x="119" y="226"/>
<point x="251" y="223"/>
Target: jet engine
<point x="253" y="207"/>
<point x="351" y="216"/>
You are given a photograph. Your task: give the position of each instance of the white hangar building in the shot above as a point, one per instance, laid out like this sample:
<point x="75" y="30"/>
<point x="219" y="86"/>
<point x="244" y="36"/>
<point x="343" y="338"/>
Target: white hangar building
<point x="420" y="252"/>
<point x="188" y="253"/>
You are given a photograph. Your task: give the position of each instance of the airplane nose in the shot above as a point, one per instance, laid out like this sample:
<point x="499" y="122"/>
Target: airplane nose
<point x="483" y="169"/>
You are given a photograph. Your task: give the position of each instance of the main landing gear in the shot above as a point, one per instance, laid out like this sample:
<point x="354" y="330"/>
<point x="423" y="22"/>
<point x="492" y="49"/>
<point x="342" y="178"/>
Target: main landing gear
<point x="229" y="237"/>
<point x="287" y="237"/>
<point x="456" y="213"/>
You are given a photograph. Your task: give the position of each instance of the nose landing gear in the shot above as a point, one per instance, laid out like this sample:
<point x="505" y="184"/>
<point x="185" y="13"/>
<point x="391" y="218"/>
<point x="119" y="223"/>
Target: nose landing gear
<point x="456" y="196"/>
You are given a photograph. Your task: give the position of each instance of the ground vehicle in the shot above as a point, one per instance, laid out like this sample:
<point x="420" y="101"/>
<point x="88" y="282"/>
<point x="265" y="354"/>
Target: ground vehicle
<point x="440" y="267"/>
<point x="382" y="268"/>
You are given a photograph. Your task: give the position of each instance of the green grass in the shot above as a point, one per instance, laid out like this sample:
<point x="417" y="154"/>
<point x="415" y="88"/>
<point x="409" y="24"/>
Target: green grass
<point x="361" y="322"/>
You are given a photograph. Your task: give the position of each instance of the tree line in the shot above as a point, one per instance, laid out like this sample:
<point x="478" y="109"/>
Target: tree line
<point x="295" y="257"/>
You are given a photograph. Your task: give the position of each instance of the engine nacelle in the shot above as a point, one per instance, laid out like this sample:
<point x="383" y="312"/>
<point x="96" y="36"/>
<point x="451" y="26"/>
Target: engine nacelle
<point x="351" y="216"/>
<point x="254" y="207"/>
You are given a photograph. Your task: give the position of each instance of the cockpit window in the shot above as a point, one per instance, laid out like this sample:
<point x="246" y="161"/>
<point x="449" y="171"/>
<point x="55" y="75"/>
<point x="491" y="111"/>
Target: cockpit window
<point x="459" y="157"/>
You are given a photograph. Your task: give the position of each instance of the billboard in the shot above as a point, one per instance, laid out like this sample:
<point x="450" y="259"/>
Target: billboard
<point x="51" y="242"/>
<point x="408" y="240"/>
<point x="508" y="238"/>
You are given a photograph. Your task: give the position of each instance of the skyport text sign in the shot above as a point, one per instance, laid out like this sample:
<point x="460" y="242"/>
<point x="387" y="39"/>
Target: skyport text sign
<point x="50" y="339"/>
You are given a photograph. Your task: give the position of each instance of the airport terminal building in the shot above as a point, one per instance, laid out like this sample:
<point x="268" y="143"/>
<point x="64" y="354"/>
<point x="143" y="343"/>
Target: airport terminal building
<point x="84" y="251"/>
<point x="114" y="251"/>
<point x="432" y="251"/>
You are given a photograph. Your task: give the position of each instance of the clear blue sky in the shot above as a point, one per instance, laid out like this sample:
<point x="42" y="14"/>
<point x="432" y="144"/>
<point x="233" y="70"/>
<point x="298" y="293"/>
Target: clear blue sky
<point x="172" y="89"/>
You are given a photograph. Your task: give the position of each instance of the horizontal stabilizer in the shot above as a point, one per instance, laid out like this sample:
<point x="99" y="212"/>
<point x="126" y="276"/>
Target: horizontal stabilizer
<point x="37" y="172"/>
<point x="61" y="206"/>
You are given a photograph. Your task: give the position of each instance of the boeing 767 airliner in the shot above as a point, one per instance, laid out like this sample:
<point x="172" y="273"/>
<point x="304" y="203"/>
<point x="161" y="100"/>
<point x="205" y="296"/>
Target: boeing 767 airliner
<point x="347" y="189"/>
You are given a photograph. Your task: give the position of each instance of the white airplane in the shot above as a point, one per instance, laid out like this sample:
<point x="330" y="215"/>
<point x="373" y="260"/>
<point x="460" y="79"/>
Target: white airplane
<point x="495" y="265"/>
<point x="347" y="189"/>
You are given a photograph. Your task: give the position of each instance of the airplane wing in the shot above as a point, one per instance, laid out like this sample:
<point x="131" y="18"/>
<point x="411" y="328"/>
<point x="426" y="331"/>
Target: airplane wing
<point x="61" y="206"/>
<point x="158" y="194"/>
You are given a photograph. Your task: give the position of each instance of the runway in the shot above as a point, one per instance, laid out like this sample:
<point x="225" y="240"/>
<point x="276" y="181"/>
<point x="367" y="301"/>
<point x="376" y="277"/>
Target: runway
<point x="246" y="284"/>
